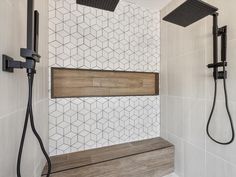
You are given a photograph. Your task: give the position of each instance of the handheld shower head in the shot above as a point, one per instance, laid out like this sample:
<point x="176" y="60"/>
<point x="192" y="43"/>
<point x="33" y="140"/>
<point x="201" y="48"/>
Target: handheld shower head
<point x="109" y="5"/>
<point x="189" y="12"/>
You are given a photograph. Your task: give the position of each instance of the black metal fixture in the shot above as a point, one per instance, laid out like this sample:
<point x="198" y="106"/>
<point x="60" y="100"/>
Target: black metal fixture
<point x="109" y="5"/>
<point x="31" y="57"/>
<point x="186" y="14"/>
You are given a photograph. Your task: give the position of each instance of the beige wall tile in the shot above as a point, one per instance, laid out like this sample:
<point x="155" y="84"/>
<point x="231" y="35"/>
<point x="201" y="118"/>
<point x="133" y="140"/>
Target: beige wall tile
<point x="217" y="167"/>
<point x="194" y="122"/>
<point x="179" y="154"/>
<point x="194" y="161"/>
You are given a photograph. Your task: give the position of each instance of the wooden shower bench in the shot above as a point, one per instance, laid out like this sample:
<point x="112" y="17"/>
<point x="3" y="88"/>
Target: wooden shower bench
<point x="146" y="158"/>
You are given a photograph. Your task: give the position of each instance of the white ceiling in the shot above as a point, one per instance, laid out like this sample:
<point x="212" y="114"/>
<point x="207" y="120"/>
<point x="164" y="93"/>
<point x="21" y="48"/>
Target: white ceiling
<point x="151" y="4"/>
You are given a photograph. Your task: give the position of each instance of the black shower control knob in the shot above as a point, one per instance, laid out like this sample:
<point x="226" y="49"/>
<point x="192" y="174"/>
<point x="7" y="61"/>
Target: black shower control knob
<point x="222" y="75"/>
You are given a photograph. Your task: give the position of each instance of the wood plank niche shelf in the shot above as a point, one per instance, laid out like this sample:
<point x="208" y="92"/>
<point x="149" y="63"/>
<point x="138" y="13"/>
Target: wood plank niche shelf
<point x="68" y="83"/>
<point x="147" y="158"/>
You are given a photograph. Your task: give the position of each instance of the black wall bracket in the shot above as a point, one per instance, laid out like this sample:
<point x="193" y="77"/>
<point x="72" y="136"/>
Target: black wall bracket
<point x="6" y="60"/>
<point x="9" y="64"/>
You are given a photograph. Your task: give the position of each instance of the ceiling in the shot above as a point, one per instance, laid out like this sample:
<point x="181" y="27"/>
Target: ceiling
<point x="151" y="4"/>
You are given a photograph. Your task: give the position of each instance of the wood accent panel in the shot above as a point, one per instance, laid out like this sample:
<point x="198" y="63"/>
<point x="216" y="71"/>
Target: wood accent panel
<point x="87" y="83"/>
<point x="151" y="158"/>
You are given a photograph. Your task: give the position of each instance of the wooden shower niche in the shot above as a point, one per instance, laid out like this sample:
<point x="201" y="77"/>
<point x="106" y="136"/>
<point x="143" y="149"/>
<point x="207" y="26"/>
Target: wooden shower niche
<point x="67" y="83"/>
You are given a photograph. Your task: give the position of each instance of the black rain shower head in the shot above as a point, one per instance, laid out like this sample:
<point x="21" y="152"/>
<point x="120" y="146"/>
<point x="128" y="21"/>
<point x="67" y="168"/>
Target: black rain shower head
<point x="109" y="5"/>
<point x="189" y="12"/>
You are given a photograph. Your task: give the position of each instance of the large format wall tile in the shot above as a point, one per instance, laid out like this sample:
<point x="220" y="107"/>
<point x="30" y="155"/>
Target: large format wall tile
<point x="194" y="157"/>
<point x="84" y="37"/>
<point x="216" y="167"/>
<point x="194" y="122"/>
<point x="179" y="153"/>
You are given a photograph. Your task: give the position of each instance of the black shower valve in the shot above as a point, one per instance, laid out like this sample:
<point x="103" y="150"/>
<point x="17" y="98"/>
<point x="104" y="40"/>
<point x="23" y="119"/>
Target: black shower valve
<point x="218" y="74"/>
<point x="222" y="75"/>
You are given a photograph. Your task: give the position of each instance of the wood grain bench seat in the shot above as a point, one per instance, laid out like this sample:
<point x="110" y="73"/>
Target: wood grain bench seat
<point x="146" y="158"/>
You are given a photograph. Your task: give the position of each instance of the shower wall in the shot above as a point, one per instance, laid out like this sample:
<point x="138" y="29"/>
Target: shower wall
<point x="187" y="94"/>
<point x="14" y="90"/>
<point x="88" y="38"/>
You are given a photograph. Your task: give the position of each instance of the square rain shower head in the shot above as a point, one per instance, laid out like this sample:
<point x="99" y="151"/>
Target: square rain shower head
<point x="109" y="5"/>
<point x="189" y="12"/>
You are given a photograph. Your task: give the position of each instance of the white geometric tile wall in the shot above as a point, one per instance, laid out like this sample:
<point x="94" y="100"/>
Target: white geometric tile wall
<point x="84" y="37"/>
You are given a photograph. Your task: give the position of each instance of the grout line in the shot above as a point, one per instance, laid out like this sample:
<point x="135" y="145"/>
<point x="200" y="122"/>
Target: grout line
<point x="205" y="102"/>
<point x="180" y="97"/>
<point x="220" y="158"/>
<point x="198" y="99"/>
<point x="186" y="141"/>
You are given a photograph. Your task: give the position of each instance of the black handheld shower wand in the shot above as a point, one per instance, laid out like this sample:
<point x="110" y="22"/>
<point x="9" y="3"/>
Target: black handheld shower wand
<point x="186" y="14"/>
<point x="31" y="55"/>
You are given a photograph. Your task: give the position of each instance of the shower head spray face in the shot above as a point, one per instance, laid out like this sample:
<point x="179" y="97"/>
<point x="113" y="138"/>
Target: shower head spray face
<point x="189" y="12"/>
<point x="109" y="5"/>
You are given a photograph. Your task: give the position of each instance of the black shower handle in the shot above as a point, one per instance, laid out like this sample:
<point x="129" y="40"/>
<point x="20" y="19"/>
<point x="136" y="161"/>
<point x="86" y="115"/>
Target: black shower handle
<point x="223" y="32"/>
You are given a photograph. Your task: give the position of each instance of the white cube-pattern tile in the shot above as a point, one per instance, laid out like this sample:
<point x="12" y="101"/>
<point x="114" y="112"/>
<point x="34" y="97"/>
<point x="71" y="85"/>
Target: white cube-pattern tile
<point x="84" y="37"/>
